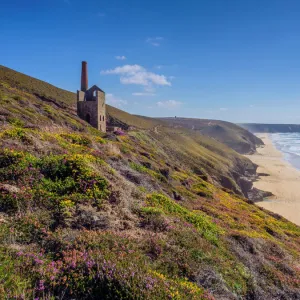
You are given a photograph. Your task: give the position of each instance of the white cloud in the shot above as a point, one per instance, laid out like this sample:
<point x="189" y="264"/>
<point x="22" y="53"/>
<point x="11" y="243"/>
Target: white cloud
<point x="223" y="109"/>
<point x="169" y="104"/>
<point x="136" y="74"/>
<point x="127" y="69"/>
<point x="143" y="94"/>
<point x="155" y="41"/>
<point x="120" y="57"/>
<point x="115" y="101"/>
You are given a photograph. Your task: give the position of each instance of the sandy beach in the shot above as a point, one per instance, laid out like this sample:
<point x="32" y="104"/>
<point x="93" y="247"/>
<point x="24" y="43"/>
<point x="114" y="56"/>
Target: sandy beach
<point x="283" y="182"/>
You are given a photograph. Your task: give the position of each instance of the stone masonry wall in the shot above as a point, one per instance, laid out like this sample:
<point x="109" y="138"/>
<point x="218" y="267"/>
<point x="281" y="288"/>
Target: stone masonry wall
<point x="88" y="111"/>
<point x="101" y="111"/>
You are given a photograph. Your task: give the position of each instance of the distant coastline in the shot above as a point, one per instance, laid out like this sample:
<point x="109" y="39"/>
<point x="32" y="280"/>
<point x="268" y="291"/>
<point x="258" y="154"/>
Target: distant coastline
<point x="283" y="180"/>
<point x="271" y="128"/>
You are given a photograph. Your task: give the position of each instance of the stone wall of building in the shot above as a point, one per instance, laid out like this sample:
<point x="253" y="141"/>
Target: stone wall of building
<point x="88" y="111"/>
<point x="93" y="111"/>
<point x="101" y="111"/>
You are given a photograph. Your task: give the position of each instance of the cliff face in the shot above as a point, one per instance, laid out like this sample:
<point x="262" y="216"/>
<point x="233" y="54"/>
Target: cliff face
<point x="156" y="212"/>
<point x="271" y="128"/>
<point x="234" y="136"/>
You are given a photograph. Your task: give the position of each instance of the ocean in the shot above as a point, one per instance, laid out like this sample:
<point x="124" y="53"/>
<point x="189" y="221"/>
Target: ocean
<point x="289" y="145"/>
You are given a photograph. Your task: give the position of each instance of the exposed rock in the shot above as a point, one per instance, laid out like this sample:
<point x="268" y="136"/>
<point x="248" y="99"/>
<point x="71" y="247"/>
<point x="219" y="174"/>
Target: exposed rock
<point x="165" y="172"/>
<point x="11" y="189"/>
<point x="272" y="232"/>
<point x="214" y="282"/>
<point x="228" y="183"/>
<point x="146" y="164"/>
<point x="132" y="176"/>
<point x="257" y="195"/>
<point x="245" y="184"/>
<point x="198" y="171"/>
<point x="252" y="252"/>
<point x="250" y="169"/>
<point x="203" y="194"/>
<point x="90" y="218"/>
<point x="146" y="154"/>
<point x="177" y="169"/>
<point x="262" y="174"/>
<point x="177" y="196"/>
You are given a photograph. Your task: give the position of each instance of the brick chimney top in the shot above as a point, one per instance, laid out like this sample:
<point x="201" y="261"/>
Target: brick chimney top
<point x="84" y="77"/>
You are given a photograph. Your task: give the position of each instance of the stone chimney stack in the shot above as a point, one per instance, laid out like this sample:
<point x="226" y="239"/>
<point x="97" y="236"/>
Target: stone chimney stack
<point x="84" y="77"/>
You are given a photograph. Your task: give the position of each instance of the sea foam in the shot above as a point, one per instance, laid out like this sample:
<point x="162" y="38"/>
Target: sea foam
<point x="289" y="145"/>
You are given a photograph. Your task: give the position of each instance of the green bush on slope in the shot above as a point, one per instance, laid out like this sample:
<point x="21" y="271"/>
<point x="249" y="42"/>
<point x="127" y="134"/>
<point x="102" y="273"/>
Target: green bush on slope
<point x="205" y="227"/>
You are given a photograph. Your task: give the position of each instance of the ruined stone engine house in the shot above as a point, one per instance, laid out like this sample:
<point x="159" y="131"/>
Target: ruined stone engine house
<point x="91" y="102"/>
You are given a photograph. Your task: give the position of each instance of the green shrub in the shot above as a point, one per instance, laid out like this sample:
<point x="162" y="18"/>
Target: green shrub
<point x="60" y="187"/>
<point x="8" y="202"/>
<point x="202" y="223"/>
<point x="202" y="189"/>
<point x="9" y="157"/>
<point x="16" y="133"/>
<point x="56" y="167"/>
<point x="49" y="180"/>
<point x="139" y="168"/>
<point x="72" y="176"/>
<point x="16" y="121"/>
<point x="76" y="139"/>
<point x="17" y="97"/>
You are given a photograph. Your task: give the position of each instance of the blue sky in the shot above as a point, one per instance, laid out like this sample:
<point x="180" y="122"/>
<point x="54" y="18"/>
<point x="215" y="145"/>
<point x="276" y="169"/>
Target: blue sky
<point x="224" y="59"/>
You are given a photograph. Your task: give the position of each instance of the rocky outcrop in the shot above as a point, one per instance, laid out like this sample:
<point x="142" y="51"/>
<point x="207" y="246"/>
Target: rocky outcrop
<point x="88" y="217"/>
<point x="257" y="195"/>
<point x="9" y="189"/>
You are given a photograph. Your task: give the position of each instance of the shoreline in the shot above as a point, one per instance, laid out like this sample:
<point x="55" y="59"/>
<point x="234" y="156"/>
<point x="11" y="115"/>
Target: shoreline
<point x="283" y="180"/>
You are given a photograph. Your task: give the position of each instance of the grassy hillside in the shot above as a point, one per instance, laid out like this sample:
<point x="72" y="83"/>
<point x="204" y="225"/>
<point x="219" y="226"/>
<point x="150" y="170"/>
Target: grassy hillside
<point x="142" y="215"/>
<point x="31" y="89"/>
<point x="36" y="104"/>
<point x="230" y="134"/>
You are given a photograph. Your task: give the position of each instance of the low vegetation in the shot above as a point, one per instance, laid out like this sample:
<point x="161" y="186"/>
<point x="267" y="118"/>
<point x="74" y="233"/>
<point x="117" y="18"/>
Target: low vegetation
<point x="230" y="134"/>
<point x="143" y="215"/>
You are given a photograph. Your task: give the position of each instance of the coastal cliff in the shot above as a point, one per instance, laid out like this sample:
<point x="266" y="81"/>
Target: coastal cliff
<point x="271" y="128"/>
<point x="232" y="135"/>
